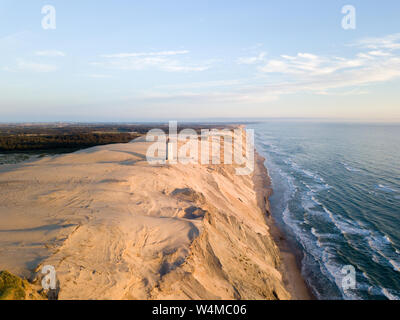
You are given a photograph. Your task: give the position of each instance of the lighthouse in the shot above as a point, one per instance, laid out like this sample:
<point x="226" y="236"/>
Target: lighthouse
<point x="169" y="151"/>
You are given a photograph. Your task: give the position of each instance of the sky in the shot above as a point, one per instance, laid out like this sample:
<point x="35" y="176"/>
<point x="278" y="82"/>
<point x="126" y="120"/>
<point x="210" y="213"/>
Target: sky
<point x="126" y="60"/>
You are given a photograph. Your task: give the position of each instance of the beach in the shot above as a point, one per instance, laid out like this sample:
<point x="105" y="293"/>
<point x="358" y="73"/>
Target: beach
<point x="116" y="227"/>
<point x="290" y="266"/>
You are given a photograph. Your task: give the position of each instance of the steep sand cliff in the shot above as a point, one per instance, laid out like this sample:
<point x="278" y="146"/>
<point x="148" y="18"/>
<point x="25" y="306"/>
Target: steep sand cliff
<point x="115" y="227"/>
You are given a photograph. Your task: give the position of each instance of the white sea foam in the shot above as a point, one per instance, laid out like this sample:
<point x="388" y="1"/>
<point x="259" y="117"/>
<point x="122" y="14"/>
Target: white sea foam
<point x="322" y="253"/>
<point x="322" y="250"/>
<point x="375" y="258"/>
<point x="387" y="189"/>
<point x="378" y="243"/>
<point x="304" y="172"/>
<point x="343" y="225"/>
<point x="389" y="294"/>
<point x="382" y="245"/>
<point x="395" y="264"/>
<point x="316" y="188"/>
<point x="349" y="168"/>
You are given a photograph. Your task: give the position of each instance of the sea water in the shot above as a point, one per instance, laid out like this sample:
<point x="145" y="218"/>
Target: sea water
<point x="337" y="197"/>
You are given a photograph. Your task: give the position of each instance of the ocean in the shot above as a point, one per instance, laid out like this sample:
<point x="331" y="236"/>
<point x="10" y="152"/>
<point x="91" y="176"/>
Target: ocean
<point x="337" y="199"/>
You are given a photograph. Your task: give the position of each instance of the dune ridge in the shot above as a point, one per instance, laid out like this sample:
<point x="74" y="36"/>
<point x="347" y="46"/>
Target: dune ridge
<point x="115" y="227"/>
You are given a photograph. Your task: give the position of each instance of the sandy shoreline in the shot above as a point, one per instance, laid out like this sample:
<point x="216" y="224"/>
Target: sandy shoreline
<point x="116" y="227"/>
<point x="293" y="279"/>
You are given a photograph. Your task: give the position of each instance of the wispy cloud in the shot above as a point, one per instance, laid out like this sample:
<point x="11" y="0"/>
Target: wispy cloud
<point x="310" y="64"/>
<point x="15" y="39"/>
<point x="375" y="62"/>
<point x="50" y="53"/>
<point x="23" y="65"/>
<point x="163" y="60"/>
<point x="255" y="47"/>
<point x="98" y="76"/>
<point x="253" y="60"/>
<point x="305" y="73"/>
<point x="204" y="84"/>
<point x="145" y="54"/>
<point x="390" y="42"/>
<point x="213" y="97"/>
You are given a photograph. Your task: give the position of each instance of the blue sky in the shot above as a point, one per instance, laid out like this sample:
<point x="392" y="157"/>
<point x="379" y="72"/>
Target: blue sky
<point x="152" y="60"/>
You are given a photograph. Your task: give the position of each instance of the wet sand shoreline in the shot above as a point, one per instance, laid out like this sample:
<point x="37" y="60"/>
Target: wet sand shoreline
<point x="290" y="266"/>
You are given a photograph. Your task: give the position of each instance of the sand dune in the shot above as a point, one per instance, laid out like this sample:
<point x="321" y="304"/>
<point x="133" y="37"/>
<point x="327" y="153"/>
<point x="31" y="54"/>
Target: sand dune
<point x="115" y="227"/>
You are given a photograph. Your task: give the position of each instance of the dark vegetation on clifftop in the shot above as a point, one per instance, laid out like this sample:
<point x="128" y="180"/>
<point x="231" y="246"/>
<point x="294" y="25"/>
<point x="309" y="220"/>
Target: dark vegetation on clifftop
<point x="33" y="137"/>
<point x="45" y="142"/>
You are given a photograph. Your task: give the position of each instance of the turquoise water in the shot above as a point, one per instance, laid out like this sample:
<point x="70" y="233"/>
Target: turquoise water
<point x="337" y="197"/>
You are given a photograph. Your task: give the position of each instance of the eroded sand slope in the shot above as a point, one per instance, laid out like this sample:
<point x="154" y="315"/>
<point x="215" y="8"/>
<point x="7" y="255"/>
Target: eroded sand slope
<point x="115" y="227"/>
